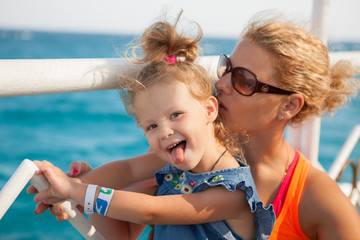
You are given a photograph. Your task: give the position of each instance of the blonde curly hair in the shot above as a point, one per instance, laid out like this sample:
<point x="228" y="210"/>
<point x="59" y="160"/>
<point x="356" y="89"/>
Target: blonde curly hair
<point x="302" y="65"/>
<point x="159" y="42"/>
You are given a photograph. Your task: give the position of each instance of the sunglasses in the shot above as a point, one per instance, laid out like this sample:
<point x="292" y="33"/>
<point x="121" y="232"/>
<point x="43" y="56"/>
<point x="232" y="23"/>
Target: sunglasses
<point x="244" y="81"/>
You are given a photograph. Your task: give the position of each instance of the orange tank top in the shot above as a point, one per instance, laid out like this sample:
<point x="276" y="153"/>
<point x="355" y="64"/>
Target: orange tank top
<point x="287" y="224"/>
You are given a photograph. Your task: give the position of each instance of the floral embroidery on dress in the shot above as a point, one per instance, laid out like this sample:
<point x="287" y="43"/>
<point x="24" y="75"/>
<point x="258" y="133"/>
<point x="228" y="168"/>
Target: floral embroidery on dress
<point x="182" y="176"/>
<point x="215" y="178"/>
<point x="180" y="183"/>
<point x="186" y="189"/>
<point x="169" y="177"/>
<point x="175" y="181"/>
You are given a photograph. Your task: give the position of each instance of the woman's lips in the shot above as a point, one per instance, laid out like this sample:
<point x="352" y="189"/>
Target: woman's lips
<point x="221" y="105"/>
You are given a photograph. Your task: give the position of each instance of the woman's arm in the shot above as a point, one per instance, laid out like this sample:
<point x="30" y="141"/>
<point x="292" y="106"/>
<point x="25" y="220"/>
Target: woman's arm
<point x="325" y="212"/>
<point x="122" y="173"/>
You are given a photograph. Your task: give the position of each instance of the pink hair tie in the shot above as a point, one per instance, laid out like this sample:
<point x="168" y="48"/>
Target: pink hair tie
<point x="170" y="59"/>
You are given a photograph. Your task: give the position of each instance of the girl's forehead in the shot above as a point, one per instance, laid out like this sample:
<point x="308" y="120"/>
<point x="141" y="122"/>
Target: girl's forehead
<point x="164" y="96"/>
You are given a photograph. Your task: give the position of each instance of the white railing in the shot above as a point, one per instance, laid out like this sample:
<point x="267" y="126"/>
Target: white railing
<point x="27" y="171"/>
<point x="48" y="76"/>
<point x="342" y="161"/>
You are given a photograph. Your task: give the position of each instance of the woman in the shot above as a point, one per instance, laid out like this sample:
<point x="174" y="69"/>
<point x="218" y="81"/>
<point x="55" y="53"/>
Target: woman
<point x="293" y="66"/>
<point x="292" y="59"/>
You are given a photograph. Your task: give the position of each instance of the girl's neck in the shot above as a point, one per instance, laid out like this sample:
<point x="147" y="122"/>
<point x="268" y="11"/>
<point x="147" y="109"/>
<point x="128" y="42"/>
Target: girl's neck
<point x="216" y="157"/>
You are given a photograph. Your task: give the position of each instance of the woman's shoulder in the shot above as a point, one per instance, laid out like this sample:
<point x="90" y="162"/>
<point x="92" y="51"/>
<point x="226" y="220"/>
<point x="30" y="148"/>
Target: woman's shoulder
<point x="319" y="187"/>
<point x="323" y="205"/>
<point x="319" y="183"/>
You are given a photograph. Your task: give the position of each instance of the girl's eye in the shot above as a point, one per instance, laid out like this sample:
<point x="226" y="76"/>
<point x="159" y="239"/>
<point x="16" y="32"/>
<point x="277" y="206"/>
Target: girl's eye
<point x="150" y="127"/>
<point x="175" y="115"/>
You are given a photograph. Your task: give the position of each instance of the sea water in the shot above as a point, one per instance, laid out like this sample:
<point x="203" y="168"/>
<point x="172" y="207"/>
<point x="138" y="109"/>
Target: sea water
<point x="93" y="126"/>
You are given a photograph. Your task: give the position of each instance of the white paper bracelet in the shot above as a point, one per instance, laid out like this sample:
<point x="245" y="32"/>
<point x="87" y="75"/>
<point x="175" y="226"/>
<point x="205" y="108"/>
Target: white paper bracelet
<point x="103" y="200"/>
<point x="89" y="199"/>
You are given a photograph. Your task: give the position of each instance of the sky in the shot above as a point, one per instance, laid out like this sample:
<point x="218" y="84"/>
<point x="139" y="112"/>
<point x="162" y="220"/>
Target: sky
<point x="220" y="18"/>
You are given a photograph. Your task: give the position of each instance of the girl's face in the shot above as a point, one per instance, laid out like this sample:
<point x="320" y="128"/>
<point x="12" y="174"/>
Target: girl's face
<point x="256" y="113"/>
<point x="175" y="124"/>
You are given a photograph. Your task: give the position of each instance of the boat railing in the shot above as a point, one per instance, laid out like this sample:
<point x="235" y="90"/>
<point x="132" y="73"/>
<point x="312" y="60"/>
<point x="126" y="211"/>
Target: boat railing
<point x="48" y="76"/>
<point x="343" y="161"/>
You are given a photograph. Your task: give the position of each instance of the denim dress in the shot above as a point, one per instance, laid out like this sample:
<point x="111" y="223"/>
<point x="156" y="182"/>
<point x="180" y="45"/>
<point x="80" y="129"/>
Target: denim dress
<point x="172" y="181"/>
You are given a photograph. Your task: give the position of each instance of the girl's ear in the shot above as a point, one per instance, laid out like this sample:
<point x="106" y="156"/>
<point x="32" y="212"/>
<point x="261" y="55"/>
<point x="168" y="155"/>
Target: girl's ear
<point x="212" y="108"/>
<point x="292" y="106"/>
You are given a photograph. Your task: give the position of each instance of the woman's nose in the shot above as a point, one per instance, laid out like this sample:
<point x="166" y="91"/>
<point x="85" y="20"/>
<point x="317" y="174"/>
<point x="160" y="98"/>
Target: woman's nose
<point x="224" y="84"/>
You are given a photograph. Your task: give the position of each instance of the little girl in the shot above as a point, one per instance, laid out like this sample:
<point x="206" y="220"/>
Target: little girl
<point x="172" y="100"/>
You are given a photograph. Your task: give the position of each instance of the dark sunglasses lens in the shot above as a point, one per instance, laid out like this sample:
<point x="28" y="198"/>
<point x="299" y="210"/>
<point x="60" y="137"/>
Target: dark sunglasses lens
<point x="243" y="81"/>
<point x="223" y="66"/>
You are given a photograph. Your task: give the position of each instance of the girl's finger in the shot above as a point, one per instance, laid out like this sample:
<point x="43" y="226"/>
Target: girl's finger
<point x="42" y="196"/>
<point x="53" y="201"/>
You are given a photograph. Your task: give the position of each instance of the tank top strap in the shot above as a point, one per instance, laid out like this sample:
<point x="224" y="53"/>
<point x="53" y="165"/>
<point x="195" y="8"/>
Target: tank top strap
<point x="280" y="197"/>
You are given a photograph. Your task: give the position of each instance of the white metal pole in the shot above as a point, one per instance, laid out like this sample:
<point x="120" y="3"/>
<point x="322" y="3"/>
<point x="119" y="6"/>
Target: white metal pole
<point x="306" y="138"/>
<point x="46" y="76"/>
<point x="27" y="171"/>
<point x="345" y="152"/>
<point x="15" y="184"/>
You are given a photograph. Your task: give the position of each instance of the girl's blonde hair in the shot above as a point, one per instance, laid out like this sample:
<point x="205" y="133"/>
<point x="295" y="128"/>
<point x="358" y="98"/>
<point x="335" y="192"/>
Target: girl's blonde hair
<point x="302" y="65"/>
<point x="158" y="43"/>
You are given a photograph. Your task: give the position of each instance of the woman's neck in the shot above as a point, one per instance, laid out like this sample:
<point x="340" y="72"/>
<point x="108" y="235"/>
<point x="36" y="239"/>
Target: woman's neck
<point x="268" y="158"/>
<point x="266" y="148"/>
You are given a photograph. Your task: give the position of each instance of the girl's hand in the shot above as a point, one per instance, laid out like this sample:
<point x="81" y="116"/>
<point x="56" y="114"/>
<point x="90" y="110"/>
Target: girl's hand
<point x="61" y="186"/>
<point x="77" y="169"/>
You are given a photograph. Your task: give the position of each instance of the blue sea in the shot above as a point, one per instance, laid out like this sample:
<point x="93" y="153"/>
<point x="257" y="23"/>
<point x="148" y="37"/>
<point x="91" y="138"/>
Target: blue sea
<point x="93" y="126"/>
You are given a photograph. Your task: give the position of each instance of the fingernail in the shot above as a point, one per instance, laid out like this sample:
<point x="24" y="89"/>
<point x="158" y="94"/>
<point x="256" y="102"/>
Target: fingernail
<point x="74" y="171"/>
<point x="36" y="213"/>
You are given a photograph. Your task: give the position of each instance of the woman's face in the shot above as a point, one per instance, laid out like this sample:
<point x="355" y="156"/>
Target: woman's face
<point x="256" y="113"/>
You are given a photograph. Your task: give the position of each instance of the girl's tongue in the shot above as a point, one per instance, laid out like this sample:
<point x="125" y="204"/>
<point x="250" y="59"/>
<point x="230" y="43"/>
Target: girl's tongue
<point x="177" y="153"/>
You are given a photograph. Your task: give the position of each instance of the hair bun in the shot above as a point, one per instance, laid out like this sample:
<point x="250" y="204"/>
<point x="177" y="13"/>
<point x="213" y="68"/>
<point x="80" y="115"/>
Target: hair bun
<point x="160" y="43"/>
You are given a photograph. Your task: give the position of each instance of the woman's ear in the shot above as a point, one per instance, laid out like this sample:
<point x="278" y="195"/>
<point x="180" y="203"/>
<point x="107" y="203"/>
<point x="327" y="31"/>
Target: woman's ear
<point x="212" y="108"/>
<point x="292" y="106"/>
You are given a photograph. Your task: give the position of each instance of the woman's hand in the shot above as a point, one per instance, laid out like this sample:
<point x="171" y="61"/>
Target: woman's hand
<point x="79" y="168"/>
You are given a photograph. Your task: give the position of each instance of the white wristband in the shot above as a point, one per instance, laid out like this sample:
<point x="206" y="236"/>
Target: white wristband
<point x="103" y="200"/>
<point x="89" y="199"/>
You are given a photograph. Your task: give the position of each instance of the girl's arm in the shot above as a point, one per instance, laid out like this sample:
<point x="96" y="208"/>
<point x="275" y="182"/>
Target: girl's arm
<point x="134" y="172"/>
<point x="211" y="205"/>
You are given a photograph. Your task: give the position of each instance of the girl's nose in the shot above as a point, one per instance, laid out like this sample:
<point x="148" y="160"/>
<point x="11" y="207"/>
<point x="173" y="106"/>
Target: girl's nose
<point x="165" y="132"/>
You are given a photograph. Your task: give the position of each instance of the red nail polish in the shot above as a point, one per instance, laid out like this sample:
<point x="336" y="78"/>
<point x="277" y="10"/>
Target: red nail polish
<point x="74" y="171"/>
<point x="36" y="213"/>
